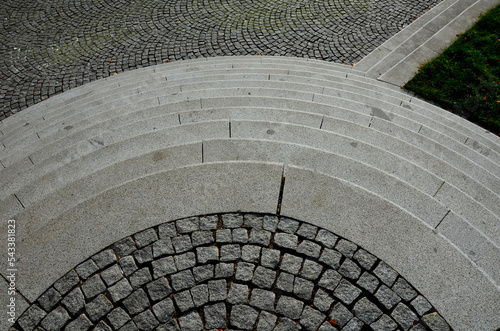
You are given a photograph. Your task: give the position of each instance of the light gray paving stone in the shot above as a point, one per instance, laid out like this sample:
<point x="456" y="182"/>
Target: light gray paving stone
<point x="187" y="225"/>
<point x="270" y="258"/>
<point x="163" y="247"/>
<point x="86" y="269"/>
<point x="238" y="294"/>
<point x="346" y="247"/>
<point x="404" y="316"/>
<point x="112" y="275"/>
<point x="118" y="317"/>
<point x="183" y="280"/>
<point x="67" y="282"/>
<point x="140" y="277"/>
<point x="286" y="240"/>
<point x="285" y="282"/>
<point x="354" y="325"/>
<point x="159" y="289"/>
<point x="322" y="300"/>
<point x="231" y="221"/>
<point x="330" y="279"/>
<point x="309" y="248"/>
<point x="203" y="273"/>
<point x="286" y="324"/>
<point x="207" y="254"/>
<point x="104" y="258"/>
<point x="349" y="269"/>
<point x="208" y="223"/>
<point x="331" y="257"/>
<point x="185" y="261"/>
<point x="182" y="244"/>
<point x="326" y="238"/>
<point x="243" y="317"/>
<point x="49" y="299"/>
<point x="103" y="326"/>
<point x="404" y="290"/>
<point x="311" y="319"/>
<point x="128" y="266"/>
<point x="164" y="266"/>
<point x="164" y="310"/>
<point x="435" y="322"/>
<point x="244" y="271"/>
<point x="262" y="299"/>
<point x="384" y="323"/>
<point x="136" y="302"/>
<point x="202" y="238"/>
<point x="308" y="231"/>
<point x="199" y="293"/>
<point x="385" y="273"/>
<point x="341" y="315"/>
<point x="55" y="320"/>
<point x="387" y="297"/>
<point x="82" y="323"/>
<point x="215" y="316"/>
<point x="365" y="259"/>
<point x="125" y="246"/>
<point x="167" y="230"/>
<point x="366" y="311"/>
<point x="368" y="282"/>
<point x="146" y="321"/>
<point x="191" y="322"/>
<point x="291" y="263"/>
<point x="224" y="270"/>
<point x="184" y="301"/>
<point x="251" y="253"/>
<point x="217" y="290"/>
<point x="260" y="237"/>
<point x="223" y="236"/>
<point x="470" y="241"/>
<point x="270" y="223"/>
<point x="144" y="255"/>
<point x="346" y="292"/>
<point x="32" y="317"/>
<point x="267" y="321"/>
<point x="253" y="221"/>
<point x="421" y="305"/>
<point x="311" y="270"/>
<point x="145" y="238"/>
<point x="263" y="277"/>
<point x="289" y="307"/>
<point x="288" y="225"/>
<point x="73" y="302"/>
<point x="93" y="286"/>
<point x="230" y="253"/>
<point x="303" y="288"/>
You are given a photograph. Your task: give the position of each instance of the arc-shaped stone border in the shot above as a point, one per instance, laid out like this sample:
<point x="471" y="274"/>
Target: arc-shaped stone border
<point x="232" y="270"/>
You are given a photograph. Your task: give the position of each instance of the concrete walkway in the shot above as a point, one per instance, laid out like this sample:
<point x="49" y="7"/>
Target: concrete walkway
<point x="413" y="186"/>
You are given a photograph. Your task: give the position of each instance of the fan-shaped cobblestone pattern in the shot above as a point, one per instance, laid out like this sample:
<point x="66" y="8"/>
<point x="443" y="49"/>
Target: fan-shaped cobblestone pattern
<point x="47" y="47"/>
<point x="232" y="272"/>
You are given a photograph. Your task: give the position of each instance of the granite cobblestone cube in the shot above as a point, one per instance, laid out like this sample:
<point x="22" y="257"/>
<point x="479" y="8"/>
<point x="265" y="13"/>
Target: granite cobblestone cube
<point x="164" y="310"/>
<point x="145" y="238"/>
<point x="250" y="253"/>
<point x="313" y="288"/>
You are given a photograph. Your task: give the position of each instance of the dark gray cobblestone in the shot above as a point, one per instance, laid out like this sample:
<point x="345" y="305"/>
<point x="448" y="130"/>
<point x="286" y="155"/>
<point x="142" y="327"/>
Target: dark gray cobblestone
<point x="223" y="282"/>
<point x="48" y="47"/>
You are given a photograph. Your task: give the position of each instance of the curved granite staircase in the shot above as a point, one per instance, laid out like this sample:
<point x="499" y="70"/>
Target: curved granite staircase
<point x="413" y="184"/>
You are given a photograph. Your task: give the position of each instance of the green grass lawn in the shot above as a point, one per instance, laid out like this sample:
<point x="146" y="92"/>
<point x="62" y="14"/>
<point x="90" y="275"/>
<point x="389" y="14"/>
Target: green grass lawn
<point x="465" y="79"/>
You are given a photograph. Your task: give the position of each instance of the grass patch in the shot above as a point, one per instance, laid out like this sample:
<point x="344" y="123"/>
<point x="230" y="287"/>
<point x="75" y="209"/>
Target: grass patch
<point x="465" y="79"/>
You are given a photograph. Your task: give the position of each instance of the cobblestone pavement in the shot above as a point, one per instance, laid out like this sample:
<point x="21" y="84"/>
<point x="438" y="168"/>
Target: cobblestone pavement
<point x="47" y="47"/>
<point x="232" y="272"/>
